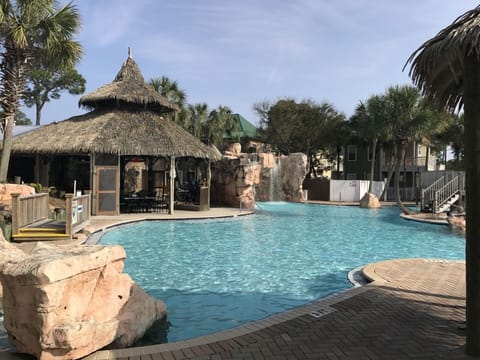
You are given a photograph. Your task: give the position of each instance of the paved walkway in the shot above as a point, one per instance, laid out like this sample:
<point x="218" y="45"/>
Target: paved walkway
<point x="413" y="309"/>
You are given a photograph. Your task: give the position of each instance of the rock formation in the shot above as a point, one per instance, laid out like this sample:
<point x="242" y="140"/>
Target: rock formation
<point x="234" y="182"/>
<point x="6" y="191"/>
<point x="240" y="179"/>
<point x="282" y="177"/>
<point x="65" y="303"/>
<point x="370" y="201"/>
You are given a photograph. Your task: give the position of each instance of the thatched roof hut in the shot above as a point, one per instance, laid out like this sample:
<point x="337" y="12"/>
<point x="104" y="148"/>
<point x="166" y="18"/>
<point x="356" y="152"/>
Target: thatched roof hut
<point x="126" y="120"/>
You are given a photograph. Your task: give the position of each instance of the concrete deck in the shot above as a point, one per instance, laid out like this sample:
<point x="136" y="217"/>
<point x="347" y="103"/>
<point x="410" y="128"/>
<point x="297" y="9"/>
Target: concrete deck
<point x="414" y="308"/>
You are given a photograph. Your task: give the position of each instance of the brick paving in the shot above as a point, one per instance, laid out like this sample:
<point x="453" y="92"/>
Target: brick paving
<point x="412" y="310"/>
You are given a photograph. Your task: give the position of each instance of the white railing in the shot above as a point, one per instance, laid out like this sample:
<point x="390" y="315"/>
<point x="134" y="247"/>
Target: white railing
<point x="443" y="195"/>
<point x="428" y="194"/>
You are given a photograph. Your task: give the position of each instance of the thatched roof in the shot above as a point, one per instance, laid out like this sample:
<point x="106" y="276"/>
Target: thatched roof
<point x="127" y="120"/>
<point x="437" y="65"/>
<point x="128" y="89"/>
<point x="123" y="132"/>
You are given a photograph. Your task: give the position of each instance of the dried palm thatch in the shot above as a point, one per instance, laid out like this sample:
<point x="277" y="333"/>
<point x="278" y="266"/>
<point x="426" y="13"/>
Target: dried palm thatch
<point x="127" y="120"/>
<point x="114" y="131"/>
<point x="438" y="64"/>
<point x="128" y="89"/>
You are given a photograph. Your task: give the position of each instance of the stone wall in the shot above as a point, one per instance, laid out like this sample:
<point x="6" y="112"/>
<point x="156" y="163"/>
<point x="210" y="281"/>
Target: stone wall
<point x="67" y="302"/>
<point x="233" y="182"/>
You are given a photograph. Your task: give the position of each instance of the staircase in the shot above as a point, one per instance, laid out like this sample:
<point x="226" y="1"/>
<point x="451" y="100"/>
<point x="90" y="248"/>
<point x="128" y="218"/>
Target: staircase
<point x="444" y="192"/>
<point x="42" y="230"/>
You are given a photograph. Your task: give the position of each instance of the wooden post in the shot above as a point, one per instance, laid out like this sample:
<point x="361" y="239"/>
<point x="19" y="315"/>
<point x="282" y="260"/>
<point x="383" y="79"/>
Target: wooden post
<point x="68" y="214"/>
<point x="173" y="174"/>
<point x="15" y="213"/>
<point x="209" y="180"/>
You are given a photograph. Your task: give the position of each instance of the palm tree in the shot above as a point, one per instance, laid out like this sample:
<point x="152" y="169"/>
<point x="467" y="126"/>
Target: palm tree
<point x="219" y="121"/>
<point x="169" y="89"/>
<point x="371" y="123"/>
<point x="447" y="69"/>
<point x="411" y="120"/>
<point x="199" y="116"/>
<point x="28" y="30"/>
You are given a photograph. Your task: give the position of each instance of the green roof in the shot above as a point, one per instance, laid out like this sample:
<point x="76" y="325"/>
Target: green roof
<point x="242" y="129"/>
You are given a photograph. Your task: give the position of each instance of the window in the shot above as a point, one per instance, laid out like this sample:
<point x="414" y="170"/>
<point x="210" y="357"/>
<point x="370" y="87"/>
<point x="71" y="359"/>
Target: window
<point x="352" y="153"/>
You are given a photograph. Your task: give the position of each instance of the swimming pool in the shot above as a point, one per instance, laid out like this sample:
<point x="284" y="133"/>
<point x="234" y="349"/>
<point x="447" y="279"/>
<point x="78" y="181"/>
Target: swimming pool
<point x="218" y="274"/>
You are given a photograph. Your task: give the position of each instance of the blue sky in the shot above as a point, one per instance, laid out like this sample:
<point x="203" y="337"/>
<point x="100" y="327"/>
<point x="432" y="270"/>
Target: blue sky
<point x="238" y="53"/>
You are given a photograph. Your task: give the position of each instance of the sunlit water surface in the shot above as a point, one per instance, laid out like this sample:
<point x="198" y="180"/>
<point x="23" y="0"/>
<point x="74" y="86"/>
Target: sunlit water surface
<point x="217" y="274"/>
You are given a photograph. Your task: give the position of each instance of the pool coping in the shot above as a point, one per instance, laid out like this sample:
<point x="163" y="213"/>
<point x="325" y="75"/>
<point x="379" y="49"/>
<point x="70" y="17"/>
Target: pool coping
<point x="316" y="309"/>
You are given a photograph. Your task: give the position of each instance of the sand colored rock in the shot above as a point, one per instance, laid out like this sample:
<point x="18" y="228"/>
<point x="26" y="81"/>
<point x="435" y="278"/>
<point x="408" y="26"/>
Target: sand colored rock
<point x="458" y="223"/>
<point x="6" y="191"/>
<point x="65" y="303"/>
<point x="370" y="201"/>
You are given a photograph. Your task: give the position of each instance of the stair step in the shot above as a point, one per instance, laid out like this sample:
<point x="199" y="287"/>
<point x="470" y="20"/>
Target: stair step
<point x="39" y="236"/>
<point x="41" y="230"/>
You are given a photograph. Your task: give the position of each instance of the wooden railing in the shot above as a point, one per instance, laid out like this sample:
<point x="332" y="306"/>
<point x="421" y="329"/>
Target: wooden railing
<point x="28" y="209"/>
<point x="77" y="213"/>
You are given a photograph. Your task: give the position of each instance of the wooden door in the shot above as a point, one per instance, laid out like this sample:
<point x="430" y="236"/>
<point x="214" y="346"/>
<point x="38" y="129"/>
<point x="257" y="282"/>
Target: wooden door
<point x="107" y="190"/>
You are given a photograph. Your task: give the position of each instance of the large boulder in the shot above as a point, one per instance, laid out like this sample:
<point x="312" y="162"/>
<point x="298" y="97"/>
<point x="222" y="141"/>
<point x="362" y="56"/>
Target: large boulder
<point x="370" y="201"/>
<point x="65" y="303"/>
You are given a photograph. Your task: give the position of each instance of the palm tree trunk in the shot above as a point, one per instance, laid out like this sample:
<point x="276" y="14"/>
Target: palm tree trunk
<point x="13" y="68"/>
<point x="7" y="145"/>
<point x="372" y="165"/>
<point x="400" y="159"/>
<point x="391" y="167"/>
<point x="471" y="95"/>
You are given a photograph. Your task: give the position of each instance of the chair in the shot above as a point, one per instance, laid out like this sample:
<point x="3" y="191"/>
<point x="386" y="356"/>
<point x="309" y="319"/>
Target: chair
<point x="159" y="203"/>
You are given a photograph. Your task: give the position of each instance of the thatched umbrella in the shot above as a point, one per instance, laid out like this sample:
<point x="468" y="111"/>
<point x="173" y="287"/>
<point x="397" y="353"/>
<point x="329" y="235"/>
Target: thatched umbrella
<point x="127" y="119"/>
<point x="447" y="69"/>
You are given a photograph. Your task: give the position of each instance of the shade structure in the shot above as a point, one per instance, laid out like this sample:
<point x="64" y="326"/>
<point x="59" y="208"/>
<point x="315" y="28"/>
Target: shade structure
<point x="128" y="89"/>
<point x="114" y="131"/>
<point x="127" y="119"/>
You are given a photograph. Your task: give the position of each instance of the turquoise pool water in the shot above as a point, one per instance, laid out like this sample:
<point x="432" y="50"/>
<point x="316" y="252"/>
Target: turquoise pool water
<point x="217" y="274"/>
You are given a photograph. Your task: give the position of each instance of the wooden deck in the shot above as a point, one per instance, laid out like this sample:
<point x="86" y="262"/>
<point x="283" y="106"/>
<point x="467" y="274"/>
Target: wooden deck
<point x="31" y="222"/>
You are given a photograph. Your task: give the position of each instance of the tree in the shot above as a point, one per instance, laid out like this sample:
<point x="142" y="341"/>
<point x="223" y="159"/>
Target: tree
<point x="413" y="119"/>
<point x="371" y="123"/>
<point x="169" y="89"/>
<point x="29" y="30"/>
<point x="44" y="84"/>
<point x="21" y="118"/>
<point x="300" y="127"/>
<point x="447" y="69"/>
<point x="219" y="121"/>
<point x="198" y="119"/>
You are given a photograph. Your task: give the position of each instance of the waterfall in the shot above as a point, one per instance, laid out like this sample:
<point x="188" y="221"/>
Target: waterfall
<point x="276" y="191"/>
